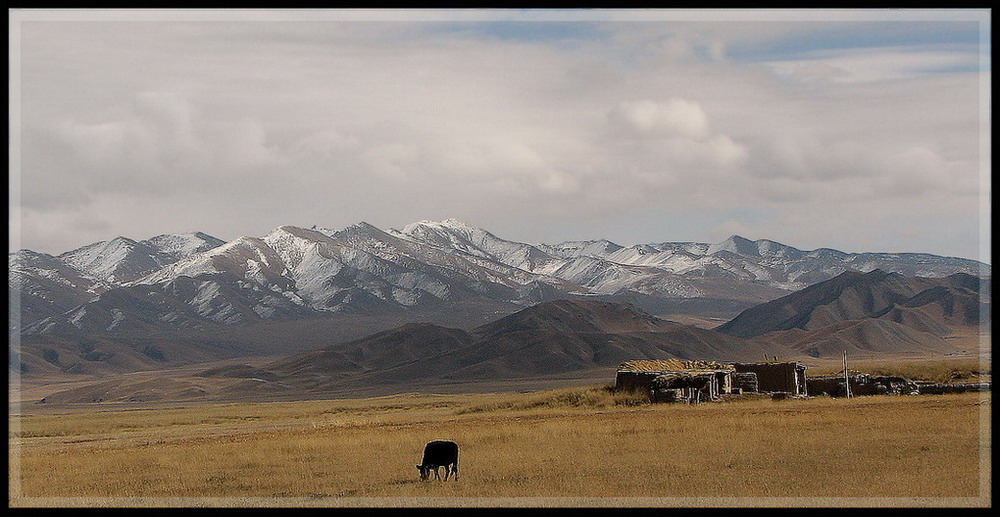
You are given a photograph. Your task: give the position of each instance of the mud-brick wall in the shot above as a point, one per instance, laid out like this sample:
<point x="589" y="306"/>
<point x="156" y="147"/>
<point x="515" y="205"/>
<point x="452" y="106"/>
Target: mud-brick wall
<point x="634" y="380"/>
<point x="776" y="376"/>
<point x="745" y="381"/>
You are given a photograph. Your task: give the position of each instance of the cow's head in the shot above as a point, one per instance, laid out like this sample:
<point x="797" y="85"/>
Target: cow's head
<point x="424" y="472"/>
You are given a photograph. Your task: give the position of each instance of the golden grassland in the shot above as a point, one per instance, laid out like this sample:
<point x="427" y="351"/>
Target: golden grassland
<point x="956" y="370"/>
<point x="575" y="442"/>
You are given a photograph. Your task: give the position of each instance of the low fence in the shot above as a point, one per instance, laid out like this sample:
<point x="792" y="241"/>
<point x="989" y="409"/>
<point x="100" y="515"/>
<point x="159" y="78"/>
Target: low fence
<point x="930" y="388"/>
<point x="864" y="384"/>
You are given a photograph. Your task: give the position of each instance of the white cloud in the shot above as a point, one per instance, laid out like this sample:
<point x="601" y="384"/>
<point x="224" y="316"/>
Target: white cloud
<point x="673" y="118"/>
<point x="252" y="125"/>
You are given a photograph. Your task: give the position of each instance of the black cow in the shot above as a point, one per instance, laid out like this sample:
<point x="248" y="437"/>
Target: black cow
<point x="439" y="453"/>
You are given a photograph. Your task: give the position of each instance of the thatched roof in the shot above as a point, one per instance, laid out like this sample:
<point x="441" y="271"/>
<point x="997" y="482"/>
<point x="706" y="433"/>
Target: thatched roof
<point x="672" y="365"/>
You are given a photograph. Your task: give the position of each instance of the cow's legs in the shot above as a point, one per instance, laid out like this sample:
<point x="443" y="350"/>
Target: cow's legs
<point x="437" y="473"/>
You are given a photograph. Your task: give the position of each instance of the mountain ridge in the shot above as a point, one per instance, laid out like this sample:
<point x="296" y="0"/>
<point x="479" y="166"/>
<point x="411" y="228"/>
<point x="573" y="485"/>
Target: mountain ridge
<point x="427" y="264"/>
<point x="549" y="338"/>
<point x="565" y="338"/>
<point x="870" y="312"/>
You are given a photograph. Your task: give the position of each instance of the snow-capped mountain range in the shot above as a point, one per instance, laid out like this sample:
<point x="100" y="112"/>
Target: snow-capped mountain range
<point x="194" y="280"/>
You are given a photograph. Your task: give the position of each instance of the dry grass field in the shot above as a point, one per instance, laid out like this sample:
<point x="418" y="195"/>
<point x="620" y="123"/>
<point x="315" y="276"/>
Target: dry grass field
<point x="584" y="444"/>
<point x="955" y="370"/>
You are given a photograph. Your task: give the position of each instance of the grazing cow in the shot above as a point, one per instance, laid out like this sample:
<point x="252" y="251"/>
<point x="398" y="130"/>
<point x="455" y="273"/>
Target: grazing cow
<point x="439" y="453"/>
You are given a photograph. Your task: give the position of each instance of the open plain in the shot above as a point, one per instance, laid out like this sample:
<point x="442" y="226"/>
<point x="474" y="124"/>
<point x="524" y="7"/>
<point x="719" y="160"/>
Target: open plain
<point x="570" y="446"/>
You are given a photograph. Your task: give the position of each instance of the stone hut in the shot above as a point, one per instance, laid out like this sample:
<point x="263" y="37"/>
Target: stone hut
<point x="676" y="380"/>
<point x="745" y="382"/>
<point x="788" y="377"/>
<point x="691" y="387"/>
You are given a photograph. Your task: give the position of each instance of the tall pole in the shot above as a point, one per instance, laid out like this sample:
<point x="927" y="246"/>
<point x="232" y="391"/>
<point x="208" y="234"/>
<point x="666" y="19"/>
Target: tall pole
<point x="847" y="379"/>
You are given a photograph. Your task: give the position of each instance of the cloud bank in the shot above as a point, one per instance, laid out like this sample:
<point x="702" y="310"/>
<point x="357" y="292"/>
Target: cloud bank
<point x="539" y="131"/>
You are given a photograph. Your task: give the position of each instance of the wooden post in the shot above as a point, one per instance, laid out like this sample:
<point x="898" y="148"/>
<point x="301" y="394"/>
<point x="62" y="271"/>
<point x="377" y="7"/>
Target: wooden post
<point x="847" y="379"/>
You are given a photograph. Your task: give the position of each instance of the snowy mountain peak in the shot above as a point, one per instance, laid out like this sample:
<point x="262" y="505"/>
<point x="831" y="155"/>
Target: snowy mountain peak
<point x="759" y="248"/>
<point x="769" y="248"/>
<point x="26" y="256"/>
<point x="118" y="260"/>
<point x="735" y="244"/>
<point x="596" y="248"/>
<point x="244" y="257"/>
<point x="322" y="229"/>
<point x="457" y="223"/>
<point x="292" y="230"/>
<point x="27" y="263"/>
<point x="364" y="236"/>
<point x="363" y="225"/>
<point x="107" y="246"/>
<point x="456" y="235"/>
<point x="437" y="233"/>
<point x="292" y="243"/>
<point x="447" y="225"/>
<point x="176" y="246"/>
<point x="358" y="229"/>
<point x="244" y="247"/>
<point x="644" y="249"/>
<point x="122" y="260"/>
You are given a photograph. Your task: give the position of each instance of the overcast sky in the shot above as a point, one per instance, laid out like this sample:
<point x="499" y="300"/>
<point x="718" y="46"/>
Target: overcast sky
<point x="856" y="130"/>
